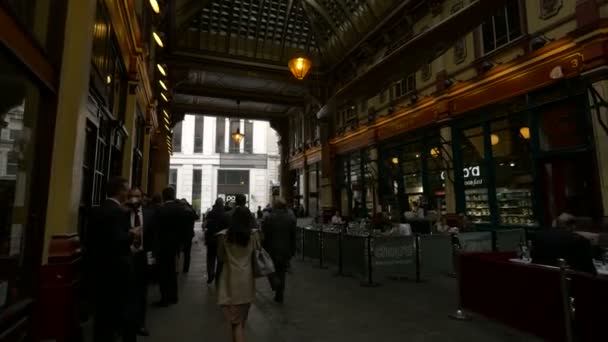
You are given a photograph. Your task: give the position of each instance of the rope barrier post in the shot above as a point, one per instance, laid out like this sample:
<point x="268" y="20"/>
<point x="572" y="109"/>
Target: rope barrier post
<point x="321" y="252"/>
<point x="417" y="251"/>
<point x="302" y="242"/>
<point x="567" y="300"/>
<point x="340" y="265"/>
<point x="455" y="249"/>
<point x="460" y="314"/>
<point x="370" y="270"/>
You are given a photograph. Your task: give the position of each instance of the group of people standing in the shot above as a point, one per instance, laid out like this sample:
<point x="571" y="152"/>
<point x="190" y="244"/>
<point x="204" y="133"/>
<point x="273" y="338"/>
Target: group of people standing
<point x="232" y="235"/>
<point x="128" y="241"/>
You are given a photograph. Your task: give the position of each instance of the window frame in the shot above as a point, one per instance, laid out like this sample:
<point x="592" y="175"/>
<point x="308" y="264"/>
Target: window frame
<point x="522" y="30"/>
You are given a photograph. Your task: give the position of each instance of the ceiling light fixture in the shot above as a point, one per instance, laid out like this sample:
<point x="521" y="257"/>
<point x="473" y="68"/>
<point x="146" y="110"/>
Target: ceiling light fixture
<point x="155" y="6"/>
<point x="395" y="160"/>
<point x="237" y="136"/>
<point x="161" y="70"/>
<point x="158" y="40"/>
<point x="163" y="85"/>
<point x="525" y="132"/>
<point x="494" y="139"/>
<point x="299" y="67"/>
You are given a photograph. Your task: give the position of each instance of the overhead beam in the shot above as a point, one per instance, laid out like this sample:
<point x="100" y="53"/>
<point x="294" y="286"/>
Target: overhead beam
<point x="239" y="94"/>
<point x="235" y="67"/>
<point x="197" y="109"/>
<point x="187" y="12"/>
<point x="283" y="35"/>
<point x="414" y="54"/>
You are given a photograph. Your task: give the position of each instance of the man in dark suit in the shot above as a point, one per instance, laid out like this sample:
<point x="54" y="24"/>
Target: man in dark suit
<point x="191" y="219"/>
<point x="109" y="241"/>
<point x="215" y="222"/>
<point x="173" y="220"/>
<point x="143" y="254"/>
<point x="561" y="242"/>
<point x="279" y="230"/>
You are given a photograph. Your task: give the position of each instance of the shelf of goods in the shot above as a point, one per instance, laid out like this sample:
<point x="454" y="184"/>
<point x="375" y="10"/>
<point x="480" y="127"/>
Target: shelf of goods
<point x="478" y="208"/>
<point x="515" y="207"/>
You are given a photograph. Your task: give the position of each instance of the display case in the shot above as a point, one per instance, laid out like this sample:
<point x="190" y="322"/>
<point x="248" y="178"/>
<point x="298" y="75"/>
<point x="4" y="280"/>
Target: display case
<point x="515" y="207"/>
<point x="477" y="205"/>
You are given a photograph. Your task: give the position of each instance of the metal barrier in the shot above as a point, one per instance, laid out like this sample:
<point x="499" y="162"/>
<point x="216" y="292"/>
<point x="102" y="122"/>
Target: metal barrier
<point x="509" y="240"/>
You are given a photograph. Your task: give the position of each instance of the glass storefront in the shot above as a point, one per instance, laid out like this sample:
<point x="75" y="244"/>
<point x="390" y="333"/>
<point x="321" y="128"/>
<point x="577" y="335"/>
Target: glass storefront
<point x="414" y="175"/>
<point x="313" y="189"/>
<point x="357" y="181"/>
<point x="20" y="117"/>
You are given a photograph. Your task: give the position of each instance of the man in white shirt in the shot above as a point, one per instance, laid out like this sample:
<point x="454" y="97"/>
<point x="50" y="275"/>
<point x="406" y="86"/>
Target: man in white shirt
<point x="141" y="219"/>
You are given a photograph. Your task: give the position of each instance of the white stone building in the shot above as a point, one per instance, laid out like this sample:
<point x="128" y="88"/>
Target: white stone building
<point x="206" y="163"/>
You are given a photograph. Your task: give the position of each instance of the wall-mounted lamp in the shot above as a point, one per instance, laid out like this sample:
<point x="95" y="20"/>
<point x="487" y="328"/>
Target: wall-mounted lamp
<point x="537" y="43"/>
<point x="163" y="85"/>
<point x="158" y="39"/>
<point x="486" y="66"/>
<point x="525" y="132"/>
<point x="161" y="69"/>
<point x="155" y="6"/>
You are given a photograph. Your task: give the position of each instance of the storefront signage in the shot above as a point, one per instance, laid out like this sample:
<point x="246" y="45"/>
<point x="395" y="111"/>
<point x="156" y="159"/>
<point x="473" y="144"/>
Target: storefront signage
<point x="471" y="174"/>
<point x="393" y="251"/>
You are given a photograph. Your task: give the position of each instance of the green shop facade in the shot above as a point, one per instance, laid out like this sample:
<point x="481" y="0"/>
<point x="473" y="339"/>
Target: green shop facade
<point x="518" y="163"/>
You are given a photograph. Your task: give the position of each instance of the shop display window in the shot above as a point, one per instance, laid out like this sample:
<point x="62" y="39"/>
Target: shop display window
<point x="20" y="112"/>
<point x="562" y="126"/>
<point x="411" y="168"/>
<point x="475" y="175"/>
<point x="513" y="172"/>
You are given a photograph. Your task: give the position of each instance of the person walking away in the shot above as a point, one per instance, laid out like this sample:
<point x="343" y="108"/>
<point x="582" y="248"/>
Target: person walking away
<point x="236" y="284"/>
<point x="141" y="218"/>
<point x="260" y="213"/>
<point x="279" y="231"/>
<point x="216" y="222"/>
<point x="109" y="240"/>
<point x="191" y="219"/>
<point x="173" y="221"/>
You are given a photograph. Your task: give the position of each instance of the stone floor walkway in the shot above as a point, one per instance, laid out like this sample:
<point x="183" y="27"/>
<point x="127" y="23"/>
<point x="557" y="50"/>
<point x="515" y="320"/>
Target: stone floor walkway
<point x="321" y="308"/>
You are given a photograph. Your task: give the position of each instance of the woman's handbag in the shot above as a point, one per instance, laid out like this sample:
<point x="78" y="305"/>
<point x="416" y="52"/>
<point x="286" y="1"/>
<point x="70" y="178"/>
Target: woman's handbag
<point x="262" y="263"/>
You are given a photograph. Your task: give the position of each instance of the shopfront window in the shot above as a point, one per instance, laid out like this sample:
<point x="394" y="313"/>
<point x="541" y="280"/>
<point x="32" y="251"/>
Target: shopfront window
<point x="437" y="174"/>
<point x="313" y="190"/>
<point x="411" y="169"/>
<point x="20" y="104"/>
<point x="513" y="171"/>
<point x="474" y="175"/>
<point x="562" y="126"/>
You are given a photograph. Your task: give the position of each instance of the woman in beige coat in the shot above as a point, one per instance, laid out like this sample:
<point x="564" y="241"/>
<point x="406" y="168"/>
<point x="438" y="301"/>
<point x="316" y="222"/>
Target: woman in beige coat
<point x="236" y="285"/>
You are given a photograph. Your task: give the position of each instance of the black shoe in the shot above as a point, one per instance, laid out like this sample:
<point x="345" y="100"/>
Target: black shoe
<point x="143" y="332"/>
<point x="161" y="304"/>
<point x="278" y="298"/>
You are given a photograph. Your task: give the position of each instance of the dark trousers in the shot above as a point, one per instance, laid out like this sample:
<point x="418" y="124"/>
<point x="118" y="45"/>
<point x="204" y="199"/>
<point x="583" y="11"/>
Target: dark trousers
<point x="277" y="279"/>
<point x="167" y="277"/>
<point x="113" y="314"/>
<point x="211" y="260"/>
<point x="187" y="249"/>
<point x="141" y="288"/>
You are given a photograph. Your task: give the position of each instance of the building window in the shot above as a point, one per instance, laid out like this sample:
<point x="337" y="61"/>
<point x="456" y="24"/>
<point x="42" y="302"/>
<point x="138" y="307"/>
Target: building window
<point x="233" y="177"/>
<point x="405" y="86"/>
<point x="197" y="183"/>
<point x="173" y="178"/>
<point x="502" y="28"/>
<point x="198" y="133"/>
<point x="248" y="136"/>
<point x="220" y="135"/>
<point x="234" y="125"/>
<point x="177" y="137"/>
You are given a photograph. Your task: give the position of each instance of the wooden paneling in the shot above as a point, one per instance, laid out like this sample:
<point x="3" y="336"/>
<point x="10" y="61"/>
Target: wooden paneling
<point x="23" y="46"/>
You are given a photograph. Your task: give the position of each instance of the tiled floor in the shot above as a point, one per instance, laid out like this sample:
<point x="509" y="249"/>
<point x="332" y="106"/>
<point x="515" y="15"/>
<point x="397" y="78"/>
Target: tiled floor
<point x="321" y="308"/>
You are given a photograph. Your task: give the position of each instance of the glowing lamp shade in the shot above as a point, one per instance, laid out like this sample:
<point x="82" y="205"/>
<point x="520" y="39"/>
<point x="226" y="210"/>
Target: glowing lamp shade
<point x="157" y="39"/>
<point x="161" y="70"/>
<point x="237" y="136"/>
<point x="525" y="132"/>
<point x="435" y="152"/>
<point x="155" y="7"/>
<point x="494" y="139"/>
<point x="162" y="84"/>
<point x="395" y="160"/>
<point x="299" y="67"/>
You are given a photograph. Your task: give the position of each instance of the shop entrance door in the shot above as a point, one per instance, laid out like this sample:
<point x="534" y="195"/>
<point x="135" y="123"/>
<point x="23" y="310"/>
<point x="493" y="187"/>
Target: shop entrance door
<point x="568" y="183"/>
